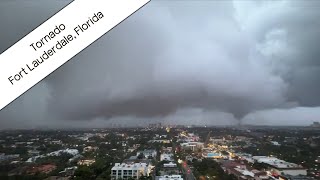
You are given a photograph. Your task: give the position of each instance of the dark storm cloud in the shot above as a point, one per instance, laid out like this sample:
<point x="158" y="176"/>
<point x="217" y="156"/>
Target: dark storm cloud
<point x="167" y="65"/>
<point x="287" y="37"/>
<point x="184" y="62"/>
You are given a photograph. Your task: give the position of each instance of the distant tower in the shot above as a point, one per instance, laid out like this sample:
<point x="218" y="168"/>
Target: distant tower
<point x="207" y="139"/>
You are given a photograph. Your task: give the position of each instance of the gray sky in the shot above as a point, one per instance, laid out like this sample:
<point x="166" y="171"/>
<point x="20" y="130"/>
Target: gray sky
<point x="186" y="62"/>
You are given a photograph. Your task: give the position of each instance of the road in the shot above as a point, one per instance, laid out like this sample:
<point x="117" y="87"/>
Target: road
<point x="187" y="171"/>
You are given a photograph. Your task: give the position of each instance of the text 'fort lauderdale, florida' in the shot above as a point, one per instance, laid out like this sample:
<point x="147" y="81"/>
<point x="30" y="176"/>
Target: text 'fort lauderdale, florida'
<point x="56" y="47"/>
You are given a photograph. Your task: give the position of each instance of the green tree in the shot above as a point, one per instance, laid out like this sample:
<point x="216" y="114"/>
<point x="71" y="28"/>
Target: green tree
<point x="84" y="173"/>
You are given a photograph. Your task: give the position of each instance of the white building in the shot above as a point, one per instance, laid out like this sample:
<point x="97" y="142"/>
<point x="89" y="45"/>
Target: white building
<point x="280" y="167"/>
<point x="194" y="146"/>
<point x="130" y="170"/>
<point x="148" y="153"/>
<point x="275" y="143"/>
<point x="166" y="157"/>
<point x="289" y="171"/>
<point x="170" y="165"/>
<point x="172" y="177"/>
